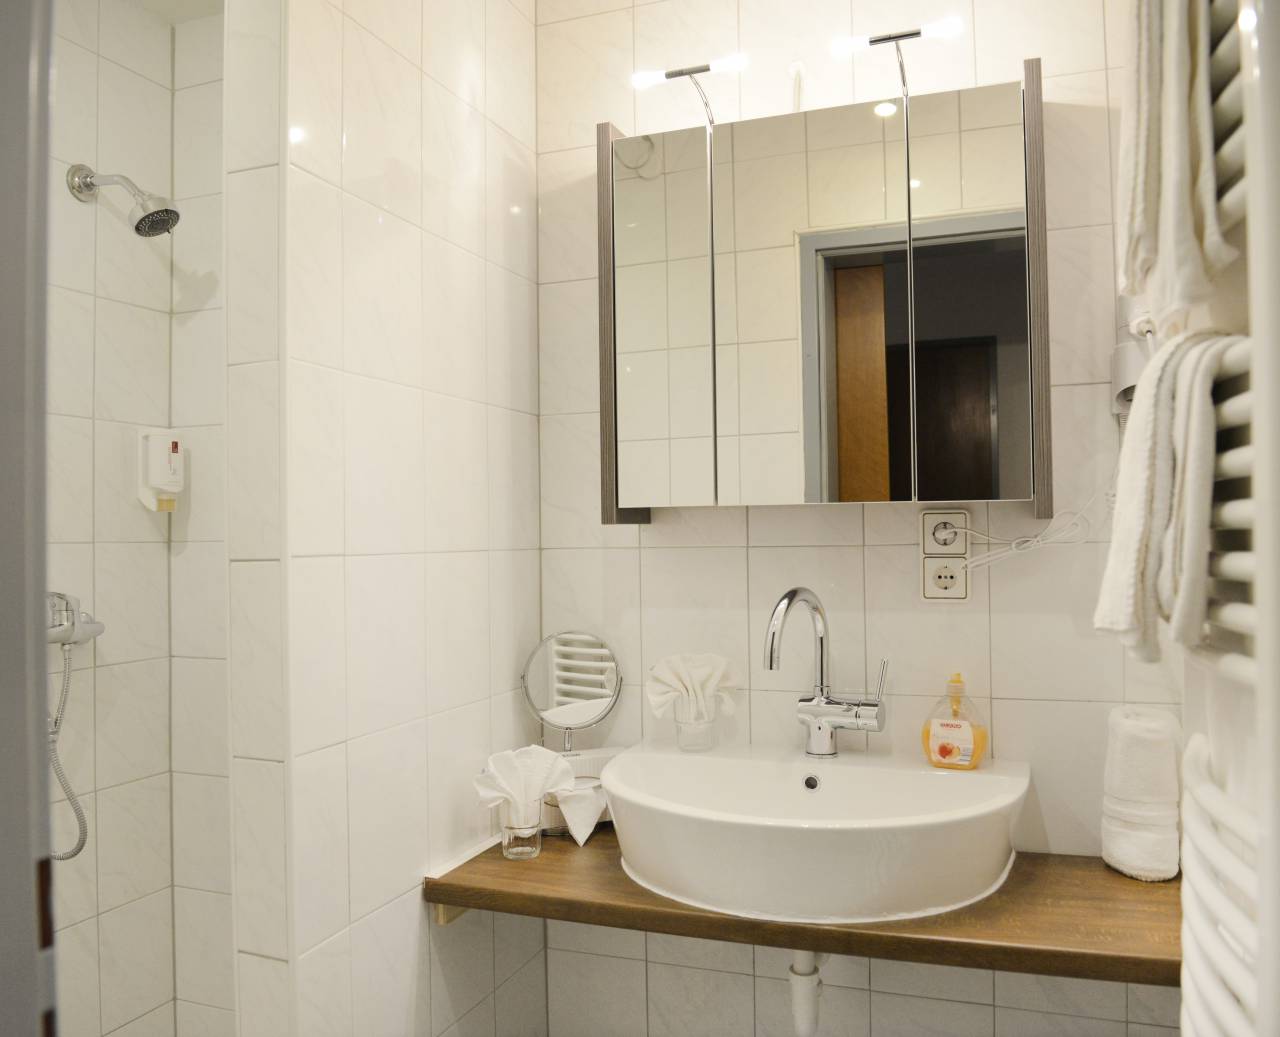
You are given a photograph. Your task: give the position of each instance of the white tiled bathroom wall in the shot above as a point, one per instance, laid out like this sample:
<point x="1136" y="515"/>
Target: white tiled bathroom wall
<point x="384" y="521"/>
<point x="706" y="579"/>
<point x="108" y="374"/>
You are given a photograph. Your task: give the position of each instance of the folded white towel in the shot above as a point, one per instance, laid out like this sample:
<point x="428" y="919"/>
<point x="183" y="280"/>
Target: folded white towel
<point x="1127" y="600"/>
<point x="1138" y="190"/>
<point x="1143" y="745"/>
<point x="1146" y="852"/>
<point x="1170" y="242"/>
<point x="518" y="779"/>
<point x="582" y="806"/>
<point x="1184" y="561"/>
<point x="691" y="686"/>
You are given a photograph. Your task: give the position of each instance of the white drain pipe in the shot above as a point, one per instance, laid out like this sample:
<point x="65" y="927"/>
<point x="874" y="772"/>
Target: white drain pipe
<point x="806" y="988"/>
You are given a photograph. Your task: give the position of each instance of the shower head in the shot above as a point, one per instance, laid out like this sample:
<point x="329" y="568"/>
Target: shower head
<point x="151" y="214"/>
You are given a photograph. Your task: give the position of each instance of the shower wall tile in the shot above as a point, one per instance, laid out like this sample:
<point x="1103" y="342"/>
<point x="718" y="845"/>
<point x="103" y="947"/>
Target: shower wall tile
<point x="256" y="665"/>
<point x="201" y="833"/>
<point x="131" y="721"/>
<point x="76" y="961"/>
<point x="134" y="841"/>
<point x="135" y="956"/>
<point x="201" y="511"/>
<point x="314" y="460"/>
<point x="73" y="103"/>
<point x="132" y="600"/>
<point x="197" y="52"/>
<point x="389" y="953"/>
<point x="320" y="846"/>
<point x="313" y="275"/>
<point x="315" y="88"/>
<point x="197" y="256"/>
<point x="253" y="461"/>
<point x="198" y="592"/>
<point x="198" y="357"/>
<point x="453" y="181"/>
<point x="200" y="706"/>
<point x="69" y="479"/>
<point x="71" y="234"/>
<point x="258" y="812"/>
<point x="197" y="144"/>
<point x="204" y="956"/>
<point x="75" y="892"/>
<point x="69" y="373"/>
<point x="195" y="1020"/>
<point x="252" y="93"/>
<point x="253" y="265"/>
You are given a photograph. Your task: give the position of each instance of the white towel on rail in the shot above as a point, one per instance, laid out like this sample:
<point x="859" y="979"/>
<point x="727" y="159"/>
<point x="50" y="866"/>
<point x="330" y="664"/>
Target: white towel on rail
<point x="1170" y="242"/>
<point x="1128" y="602"/>
<point x="1184" y="559"/>
<point x="1138" y="193"/>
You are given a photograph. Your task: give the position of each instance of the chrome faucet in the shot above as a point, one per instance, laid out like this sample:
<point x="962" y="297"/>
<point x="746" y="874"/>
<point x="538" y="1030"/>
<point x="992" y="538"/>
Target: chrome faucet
<point x="821" y="714"/>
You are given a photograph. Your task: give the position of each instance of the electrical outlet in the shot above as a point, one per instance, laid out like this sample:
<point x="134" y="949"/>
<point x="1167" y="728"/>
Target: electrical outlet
<point x="944" y="578"/>
<point x="942" y="533"/>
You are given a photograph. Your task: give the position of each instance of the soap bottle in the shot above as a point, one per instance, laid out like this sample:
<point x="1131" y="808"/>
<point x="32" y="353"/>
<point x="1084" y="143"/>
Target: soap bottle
<point x="955" y="734"/>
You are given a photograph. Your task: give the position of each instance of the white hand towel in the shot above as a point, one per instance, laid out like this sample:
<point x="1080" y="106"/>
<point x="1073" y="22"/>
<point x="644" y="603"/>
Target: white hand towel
<point x="1146" y="852"/>
<point x="1140" y="793"/>
<point x="582" y="807"/>
<point x="691" y="686"/>
<point x="1127" y="600"/>
<point x="520" y="778"/>
<point x="1184" y="562"/>
<point x="1142" y="756"/>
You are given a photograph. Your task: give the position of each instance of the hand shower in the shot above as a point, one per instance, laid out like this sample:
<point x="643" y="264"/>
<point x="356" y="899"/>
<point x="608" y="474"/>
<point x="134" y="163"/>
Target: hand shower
<point x="151" y="214"/>
<point x="67" y="626"/>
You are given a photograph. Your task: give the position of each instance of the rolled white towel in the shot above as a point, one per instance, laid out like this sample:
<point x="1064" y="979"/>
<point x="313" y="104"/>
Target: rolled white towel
<point x="1146" y="852"/>
<point x="1140" y="813"/>
<point x="1142" y="756"/>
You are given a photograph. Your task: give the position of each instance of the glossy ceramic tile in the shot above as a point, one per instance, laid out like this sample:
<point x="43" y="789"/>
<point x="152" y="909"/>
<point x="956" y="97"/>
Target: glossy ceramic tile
<point x="453" y="52"/>
<point x="511" y="203"/>
<point x="320" y="846"/>
<point x="511" y="340"/>
<point x="513" y="480"/>
<point x="131" y="721"/>
<point x="510" y="87"/>
<point x="584" y="73"/>
<point x="253" y="270"/>
<point x="197" y="51"/>
<point x="1066" y="37"/>
<point x="568" y="348"/>
<point x="384" y="487"/>
<point x="202" y="834"/>
<point x="198" y="357"/>
<point x="256" y="664"/>
<point x="313" y="276"/>
<point x="204" y="954"/>
<point x="252" y="90"/>
<point x="390" y="970"/>
<point x="619" y="1002"/>
<point x="200" y="716"/>
<point x="258" y="817"/>
<point x="567" y="215"/>
<point x="386" y="657"/>
<point x="324" y="988"/>
<point x="253" y="463"/>
<point x="317" y="657"/>
<point x="315" y="88"/>
<point x="453" y="178"/>
<point x="73" y="102"/>
<point x="685" y="1001"/>
<point x="197" y="143"/>
<point x="457" y="748"/>
<point x="135" y="945"/>
<point x="133" y="841"/>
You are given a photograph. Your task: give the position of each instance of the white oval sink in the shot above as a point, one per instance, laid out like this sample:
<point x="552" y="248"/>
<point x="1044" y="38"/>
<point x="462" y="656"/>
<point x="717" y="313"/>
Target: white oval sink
<point x="879" y="838"/>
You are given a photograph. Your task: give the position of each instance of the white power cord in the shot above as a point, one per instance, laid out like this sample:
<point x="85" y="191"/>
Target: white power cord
<point x="1066" y="527"/>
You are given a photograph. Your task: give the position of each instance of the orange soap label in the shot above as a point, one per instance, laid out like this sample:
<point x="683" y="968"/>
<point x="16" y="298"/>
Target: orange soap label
<point x="951" y="741"/>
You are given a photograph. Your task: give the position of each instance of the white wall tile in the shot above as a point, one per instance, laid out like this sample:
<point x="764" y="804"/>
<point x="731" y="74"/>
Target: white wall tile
<point x="1010" y="1021"/>
<point x="1089" y="997"/>
<point x="381" y="125"/>
<point x="453" y="319"/>
<point x="197" y="51"/>
<point x="599" y="591"/>
<point x="387" y="796"/>
<point x="202" y="1021"/>
<point x="317" y="655"/>
<point x="69" y="479"/>
<point x="692" y="1002"/>
<point x="695" y="601"/>
<point x="198" y="600"/>
<point x="567" y="215"/>
<point x="77" y="20"/>
<point x="202" y="834"/>
<point x="252" y="89"/>
<point x="204" y="953"/>
<point x="253" y="265"/>
<point x="397" y="22"/>
<point x="264" y="995"/>
<point x="201" y="510"/>
<point x="381" y="294"/>
<point x="461" y="967"/>
<point x="76" y="961"/>
<point x="390" y="969"/>
<point x="841" y="970"/>
<point x="386" y="631"/>
<point x="69" y="373"/>
<point x="319" y="846"/>
<point x="511" y="204"/>
<point x="1082" y="330"/>
<point x="256" y="665"/>
<point x="943" y="981"/>
<point x="197" y="143"/>
<point x="324" y="988"/>
<point x="131" y="721"/>
<point x="457" y="485"/>
<point x="198" y="357"/>
<point x="595" y="939"/>
<point x="453" y="179"/>
<point x="844" y="1012"/>
<point x="513" y="480"/>
<point x="1077" y="171"/>
<point x="384" y="466"/>
<point x="453" y="52"/>
<point x="510" y="87"/>
<point x="313" y="277"/>
<point x="72" y="234"/>
<point x="315" y="461"/>
<point x="511" y="328"/>
<point x="570" y="488"/>
<point x="1064" y="806"/>
<point x="75" y="881"/>
<point x="617" y="1004"/>
<point x="584" y="77"/>
<point x="130" y="582"/>
<point x="1066" y="37"/>
<point x="73" y="102"/>
<point x="520" y="1004"/>
<point x="676" y="35"/>
<point x="253" y="461"/>
<point x="315" y="88"/>
<point x="136" y="38"/>
<point x="457" y="629"/>
<point x="200" y="721"/>
<point x="457" y="748"/>
<point x="895" y="1016"/>
<point x="1159" y="1006"/>
<point x="117" y="514"/>
<point x="690" y="952"/>
<point x="514" y="613"/>
<point x="258" y="814"/>
<point x="790" y="55"/>
<point x="133" y="841"/>
<point x="136" y="958"/>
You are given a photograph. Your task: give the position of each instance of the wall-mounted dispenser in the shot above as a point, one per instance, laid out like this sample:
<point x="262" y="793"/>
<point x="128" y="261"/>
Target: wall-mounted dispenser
<point x="161" y="469"/>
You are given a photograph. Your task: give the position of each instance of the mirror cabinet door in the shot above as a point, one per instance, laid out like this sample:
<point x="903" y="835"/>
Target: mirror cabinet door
<point x="812" y="395"/>
<point x="972" y="360"/>
<point x="665" y="382"/>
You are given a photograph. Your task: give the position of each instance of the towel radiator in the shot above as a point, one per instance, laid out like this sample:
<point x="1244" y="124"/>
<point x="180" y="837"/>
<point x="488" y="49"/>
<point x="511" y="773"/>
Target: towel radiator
<point x="1231" y="807"/>
<point x="582" y="669"/>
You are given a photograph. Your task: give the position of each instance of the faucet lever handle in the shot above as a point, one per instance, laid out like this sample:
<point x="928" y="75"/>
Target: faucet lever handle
<point x="884" y="669"/>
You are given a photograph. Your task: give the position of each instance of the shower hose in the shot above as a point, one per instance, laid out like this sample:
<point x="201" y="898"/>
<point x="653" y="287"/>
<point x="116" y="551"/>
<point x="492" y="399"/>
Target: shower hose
<point x="55" y="728"/>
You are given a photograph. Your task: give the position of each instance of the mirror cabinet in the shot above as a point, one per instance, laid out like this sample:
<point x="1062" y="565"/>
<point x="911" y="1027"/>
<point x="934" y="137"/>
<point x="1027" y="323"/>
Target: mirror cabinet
<point x="834" y="305"/>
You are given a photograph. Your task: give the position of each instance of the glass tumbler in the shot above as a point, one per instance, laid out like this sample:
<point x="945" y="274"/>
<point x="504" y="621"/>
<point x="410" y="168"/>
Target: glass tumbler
<point x="522" y="830"/>
<point x="696" y="729"/>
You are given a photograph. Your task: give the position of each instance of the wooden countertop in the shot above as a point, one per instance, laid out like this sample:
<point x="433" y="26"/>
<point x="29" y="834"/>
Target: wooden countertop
<point x="1055" y="914"/>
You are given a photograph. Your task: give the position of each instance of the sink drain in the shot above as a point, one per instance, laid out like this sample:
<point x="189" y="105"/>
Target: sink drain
<point x="811" y="782"/>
